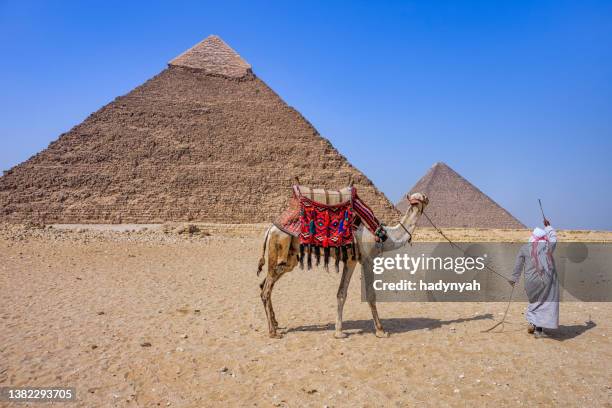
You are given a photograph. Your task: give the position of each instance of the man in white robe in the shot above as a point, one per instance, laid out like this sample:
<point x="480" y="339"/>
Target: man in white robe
<point x="541" y="282"/>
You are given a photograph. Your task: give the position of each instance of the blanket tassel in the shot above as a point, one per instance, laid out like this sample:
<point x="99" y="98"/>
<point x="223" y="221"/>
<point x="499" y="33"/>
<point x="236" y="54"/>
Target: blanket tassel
<point x="301" y="256"/>
<point x="337" y="263"/>
<point x="309" y="260"/>
<point x="326" y="258"/>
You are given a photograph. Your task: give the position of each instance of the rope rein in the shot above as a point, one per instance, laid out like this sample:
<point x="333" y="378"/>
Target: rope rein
<point x="407" y="232"/>
<point x="502" y="322"/>
<point x="454" y="245"/>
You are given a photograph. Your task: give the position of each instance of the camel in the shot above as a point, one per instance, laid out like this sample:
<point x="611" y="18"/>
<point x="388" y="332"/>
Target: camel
<point x="283" y="258"/>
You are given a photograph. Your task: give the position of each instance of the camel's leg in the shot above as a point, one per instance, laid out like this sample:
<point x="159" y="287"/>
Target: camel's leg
<point x="273" y="316"/>
<point x="281" y="260"/>
<point x="269" y="300"/>
<point x="266" y="293"/>
<point x="347" y="273"/>
<point x="380" y="332"/>
<point x="268" y="284"/>
<point x="368" y="276"/>
<point x="266" y="297"/>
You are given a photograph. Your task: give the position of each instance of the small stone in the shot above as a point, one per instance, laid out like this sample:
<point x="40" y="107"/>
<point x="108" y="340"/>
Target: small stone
<point x="456" y="390"/>
<point x="93" y="346"/>
<point x="461" y="376"/>
<point x="100" y="313"/>
<point x="145" y="344"/>
<point x="184" y="336"/>
<point x="180" y="349"/>
<point x="224" y="369"/>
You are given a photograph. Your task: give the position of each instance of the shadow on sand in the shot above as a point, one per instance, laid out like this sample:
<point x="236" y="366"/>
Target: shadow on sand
<point x="569" y="332"/>
<point x="393" y="325"/>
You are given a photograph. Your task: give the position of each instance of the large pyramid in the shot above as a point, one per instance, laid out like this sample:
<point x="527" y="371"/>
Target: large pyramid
<point x="204" y="140"/>
<point x="455" y="202"/>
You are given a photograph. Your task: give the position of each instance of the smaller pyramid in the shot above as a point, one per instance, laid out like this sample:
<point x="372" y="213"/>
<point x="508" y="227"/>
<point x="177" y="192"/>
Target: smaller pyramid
<point x="454" y="202"/>
<point x="213" y="56"/>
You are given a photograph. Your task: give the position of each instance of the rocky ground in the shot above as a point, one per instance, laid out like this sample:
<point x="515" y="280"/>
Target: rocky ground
<point x="170" y="315"/>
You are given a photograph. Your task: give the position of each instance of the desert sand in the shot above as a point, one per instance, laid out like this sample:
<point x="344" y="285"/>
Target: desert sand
<point x="150" y="318"/>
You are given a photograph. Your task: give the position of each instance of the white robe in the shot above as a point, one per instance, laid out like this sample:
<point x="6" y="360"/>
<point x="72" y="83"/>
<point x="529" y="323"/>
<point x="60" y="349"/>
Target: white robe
<point x="541" y="282"/>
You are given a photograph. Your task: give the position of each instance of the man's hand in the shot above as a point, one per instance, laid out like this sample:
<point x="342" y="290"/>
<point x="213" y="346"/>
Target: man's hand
<point x="511" y="282"/>
<point x="546" y="222"/>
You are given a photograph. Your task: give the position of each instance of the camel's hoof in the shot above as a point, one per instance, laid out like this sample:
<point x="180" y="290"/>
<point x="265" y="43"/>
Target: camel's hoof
<point x="381" y="334"/>
<point x="340" y="335"/>
<point x="276" y="335"/>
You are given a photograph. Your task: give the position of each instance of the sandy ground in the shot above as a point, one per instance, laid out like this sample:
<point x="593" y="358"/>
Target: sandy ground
<point x="79" y="309"/>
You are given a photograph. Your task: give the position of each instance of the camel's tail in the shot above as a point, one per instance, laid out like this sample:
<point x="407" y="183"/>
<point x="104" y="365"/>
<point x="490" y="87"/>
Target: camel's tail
<point x="262" y="260"/>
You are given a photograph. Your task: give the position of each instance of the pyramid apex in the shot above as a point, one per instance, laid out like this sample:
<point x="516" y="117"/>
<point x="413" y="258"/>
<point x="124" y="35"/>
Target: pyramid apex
<point x="443" y="168"/>
<point x="440" y="164"/>
<point x="213" y="56"/>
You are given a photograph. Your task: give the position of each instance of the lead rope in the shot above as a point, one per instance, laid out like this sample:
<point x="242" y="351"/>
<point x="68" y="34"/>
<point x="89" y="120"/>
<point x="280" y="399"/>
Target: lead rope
<point x="503" y="320"/>
<point x="407" y="232"/>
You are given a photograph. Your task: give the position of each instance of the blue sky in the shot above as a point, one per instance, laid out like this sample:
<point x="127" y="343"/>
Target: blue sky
<point x="516" y="96"/>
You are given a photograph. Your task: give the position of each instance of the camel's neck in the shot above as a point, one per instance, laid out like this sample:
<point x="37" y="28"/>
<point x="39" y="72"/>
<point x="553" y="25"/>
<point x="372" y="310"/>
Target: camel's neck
<point x="400" y="234"/>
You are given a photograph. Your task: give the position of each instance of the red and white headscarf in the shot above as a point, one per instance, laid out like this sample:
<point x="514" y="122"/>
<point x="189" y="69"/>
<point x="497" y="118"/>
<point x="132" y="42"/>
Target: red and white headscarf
<point x="538" y="238"/>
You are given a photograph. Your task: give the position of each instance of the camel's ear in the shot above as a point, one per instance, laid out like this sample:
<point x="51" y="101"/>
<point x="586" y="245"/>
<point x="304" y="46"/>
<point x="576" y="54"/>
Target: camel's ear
<point x="297" y="180"/>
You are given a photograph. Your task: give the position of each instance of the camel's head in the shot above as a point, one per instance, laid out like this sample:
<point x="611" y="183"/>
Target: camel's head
<point x="418" y="200"/>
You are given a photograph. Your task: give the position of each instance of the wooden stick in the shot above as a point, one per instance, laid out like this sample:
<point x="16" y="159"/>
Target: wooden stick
<point x="541" y="209"/>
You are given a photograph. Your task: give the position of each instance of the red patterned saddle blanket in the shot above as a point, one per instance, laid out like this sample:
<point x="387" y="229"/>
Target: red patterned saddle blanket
<point x="326" y="219"/>
<point x="325" y="225"/>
